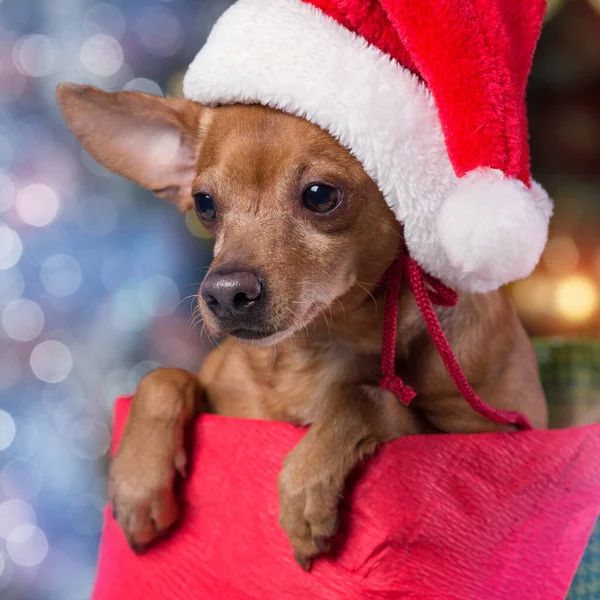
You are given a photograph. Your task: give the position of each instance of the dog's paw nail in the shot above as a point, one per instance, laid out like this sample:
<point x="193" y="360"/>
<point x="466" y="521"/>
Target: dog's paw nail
<point x="304" y="562"/>
<point x="138" y="548"/>
<point x="322" y="543"/>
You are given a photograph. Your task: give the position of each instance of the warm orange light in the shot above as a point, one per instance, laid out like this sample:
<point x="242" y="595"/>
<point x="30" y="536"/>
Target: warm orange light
<point x="576" y="298"/>
<point x="596" y="264"/>
<point x="533" y="296"/>
<point x="561" y="255"/>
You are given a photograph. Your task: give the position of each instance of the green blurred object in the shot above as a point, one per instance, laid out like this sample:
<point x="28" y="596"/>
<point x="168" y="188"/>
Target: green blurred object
<point x="570" y="373"/>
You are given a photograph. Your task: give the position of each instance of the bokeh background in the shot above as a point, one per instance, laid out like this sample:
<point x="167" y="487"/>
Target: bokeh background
<point x="96" y="275"/>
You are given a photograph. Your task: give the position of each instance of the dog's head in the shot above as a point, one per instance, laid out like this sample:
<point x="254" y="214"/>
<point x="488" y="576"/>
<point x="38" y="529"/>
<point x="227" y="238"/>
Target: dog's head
<point x="299" y="227"/>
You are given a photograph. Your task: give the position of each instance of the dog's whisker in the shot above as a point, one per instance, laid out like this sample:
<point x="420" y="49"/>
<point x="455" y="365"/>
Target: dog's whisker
<point x="369" y="293"/>
<point x="196" y="316"/>
<point x="344" y="311"/>
<point x="194" y="308"/>
<point x="195" y="322"/>
<point x="212" y="339"/>
<point x="326" y="322"/>
<point x="201" y="267"/>
<point x="298" y="319"/>
<point x="191" y="296"/>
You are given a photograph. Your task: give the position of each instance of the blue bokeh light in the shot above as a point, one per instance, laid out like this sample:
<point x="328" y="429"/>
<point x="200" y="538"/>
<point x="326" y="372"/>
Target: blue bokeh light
<point x="93" y="271"/>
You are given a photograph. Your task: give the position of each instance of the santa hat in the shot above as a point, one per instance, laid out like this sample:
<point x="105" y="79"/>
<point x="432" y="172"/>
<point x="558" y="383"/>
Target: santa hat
<point x="428" y="94"/>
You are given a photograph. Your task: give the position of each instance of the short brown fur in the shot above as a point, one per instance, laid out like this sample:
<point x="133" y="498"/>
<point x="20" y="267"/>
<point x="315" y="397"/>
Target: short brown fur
<point x="320" y="363"/>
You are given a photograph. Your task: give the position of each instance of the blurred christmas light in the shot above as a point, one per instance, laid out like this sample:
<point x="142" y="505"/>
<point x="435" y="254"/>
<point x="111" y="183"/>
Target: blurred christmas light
<point x="57" y="462"/>
<point x="11" y="247"/>
<point x="141" y="84"/>
<point x="29" y="439"/>
<point x="8" y="430"/>
<point x="138" y="371"/>
<point x="158" y="296"/>
<point x="23" y="320"/>
<point x="85" y="514"/>
<point x="90" y="438"/>
<point x="101" y="55"/>
<point x="51" y="361"/>
<point x="596" y="264"/>
<point x="534" y="296"/>
<point x="10" y="369"/>
<point x="97" y="215"/>
<point x="104" y="18"/>
<point x="126" y="313"/>
<point x="80" y="573"/>
<point x="21" y="478"/>
<point x="7" y="151"/>
<point x="96" y="294"/>
<point x="27" y="545"/>
<point x="37" y="204"/>
<point x="14" y="513"/>
<point x="117" y="383"/>
<point x="576" y="298"/>
<point x="63" y="400"/>
<point x="55" y="240"/>
<point x="53" y="575"/>
<point x="7" y="192"/>
<point x="7" y="572"/>
<point x="13" y="86"/>
<point x="561" y="255"/>
<point x="118" y="270"/>
<point x="61" y="275"/>
<point x="91" y="165"/>
<point x="35" y="55"/>
<point x="160" y="31"/>
<point x="11" y="285"/>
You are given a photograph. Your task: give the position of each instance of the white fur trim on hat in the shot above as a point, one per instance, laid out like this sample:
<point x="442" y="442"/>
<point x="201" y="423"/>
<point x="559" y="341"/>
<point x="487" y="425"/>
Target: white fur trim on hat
<point x="288" y="55"/>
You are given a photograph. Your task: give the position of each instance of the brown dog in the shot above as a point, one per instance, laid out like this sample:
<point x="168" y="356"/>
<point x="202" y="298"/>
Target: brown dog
<point x="303" y="235"/>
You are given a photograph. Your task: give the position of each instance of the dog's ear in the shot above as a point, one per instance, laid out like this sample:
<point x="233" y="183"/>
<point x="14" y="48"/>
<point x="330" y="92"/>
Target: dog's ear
<point x="153" y="141"/>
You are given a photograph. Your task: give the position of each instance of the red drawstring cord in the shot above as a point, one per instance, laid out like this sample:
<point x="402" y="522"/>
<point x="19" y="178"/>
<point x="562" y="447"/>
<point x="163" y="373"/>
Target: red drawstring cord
<point x="441" y="295"/>
<point x="389" y="380"/>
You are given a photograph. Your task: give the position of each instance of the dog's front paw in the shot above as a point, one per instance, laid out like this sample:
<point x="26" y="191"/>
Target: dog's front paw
<point x="308" y="508"/>
<point x="141" y="489"/>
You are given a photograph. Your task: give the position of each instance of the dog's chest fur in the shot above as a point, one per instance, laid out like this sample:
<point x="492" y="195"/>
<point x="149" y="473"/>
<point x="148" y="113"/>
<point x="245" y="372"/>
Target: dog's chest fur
<point x="289" y="382"/>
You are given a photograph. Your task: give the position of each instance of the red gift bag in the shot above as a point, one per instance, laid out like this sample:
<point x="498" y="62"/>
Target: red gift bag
<point x="469" y="517"/>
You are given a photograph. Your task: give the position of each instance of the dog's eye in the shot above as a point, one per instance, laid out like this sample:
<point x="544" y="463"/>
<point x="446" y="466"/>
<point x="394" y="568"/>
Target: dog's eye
<point x="205" y="207"/>
<point x="321" y="198"/>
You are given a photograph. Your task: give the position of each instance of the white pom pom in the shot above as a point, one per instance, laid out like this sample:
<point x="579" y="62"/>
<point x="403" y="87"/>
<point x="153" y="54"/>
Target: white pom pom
<point x="493" y="229"/>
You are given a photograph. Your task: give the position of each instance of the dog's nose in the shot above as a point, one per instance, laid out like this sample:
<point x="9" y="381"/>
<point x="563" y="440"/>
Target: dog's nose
<point x="232" y="294"/>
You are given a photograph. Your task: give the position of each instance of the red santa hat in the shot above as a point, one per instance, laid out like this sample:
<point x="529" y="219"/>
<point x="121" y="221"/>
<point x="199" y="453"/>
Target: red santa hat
<point x="428" y="94"/>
